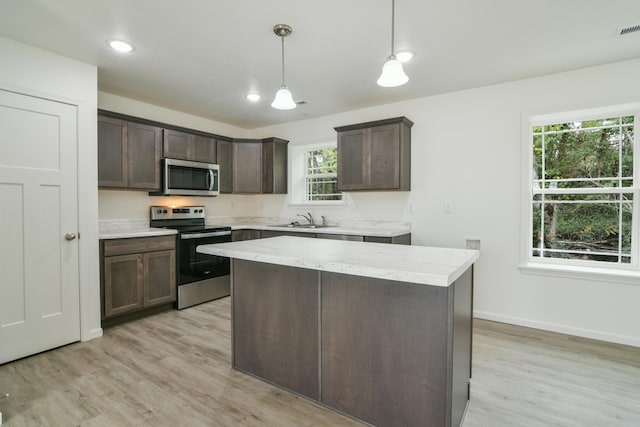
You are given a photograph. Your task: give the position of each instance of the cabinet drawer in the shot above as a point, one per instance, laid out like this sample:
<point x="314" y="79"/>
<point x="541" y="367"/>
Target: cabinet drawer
<point x="139" y="245"/>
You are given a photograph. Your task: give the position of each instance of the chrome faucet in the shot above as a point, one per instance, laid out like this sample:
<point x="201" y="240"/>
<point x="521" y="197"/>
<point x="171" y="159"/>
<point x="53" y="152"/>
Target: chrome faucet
<point x="308" y="218"/>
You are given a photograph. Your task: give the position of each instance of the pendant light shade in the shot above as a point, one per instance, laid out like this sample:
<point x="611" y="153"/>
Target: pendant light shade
<point x="283" y="99"/>
<point x="392" y="72"/>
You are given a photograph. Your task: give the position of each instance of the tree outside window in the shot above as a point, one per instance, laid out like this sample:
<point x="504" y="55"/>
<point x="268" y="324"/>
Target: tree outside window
<point x="583" y="187"/>
<point x="321" y="177"/>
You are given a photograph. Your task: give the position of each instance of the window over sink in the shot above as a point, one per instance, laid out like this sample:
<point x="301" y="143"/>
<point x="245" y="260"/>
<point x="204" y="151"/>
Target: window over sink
<point x="315" y="175"/>
<point x="321" y="175"/>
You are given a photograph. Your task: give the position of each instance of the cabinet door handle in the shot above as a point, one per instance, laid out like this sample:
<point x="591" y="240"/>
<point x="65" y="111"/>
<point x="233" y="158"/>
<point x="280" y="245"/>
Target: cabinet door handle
<point x="70" y="236"/>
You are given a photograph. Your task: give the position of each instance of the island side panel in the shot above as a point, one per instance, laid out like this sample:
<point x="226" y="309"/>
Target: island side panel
<point x="384" y="350"/>
<point x="462" y="336"/>
<point x="275" y="324"/>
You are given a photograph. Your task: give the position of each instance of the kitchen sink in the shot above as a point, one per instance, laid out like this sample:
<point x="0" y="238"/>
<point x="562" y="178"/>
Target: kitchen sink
<point x="293" y="225"/>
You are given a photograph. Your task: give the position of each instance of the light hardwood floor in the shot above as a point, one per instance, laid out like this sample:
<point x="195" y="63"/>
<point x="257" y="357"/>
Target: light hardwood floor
<point x="173" y="369"/>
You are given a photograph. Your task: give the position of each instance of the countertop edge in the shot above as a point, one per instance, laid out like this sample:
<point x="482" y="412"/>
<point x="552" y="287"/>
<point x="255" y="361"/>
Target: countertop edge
<point x="133" y="233"/>
<point x="352" y="231"/>
<point x="422" y="278"/>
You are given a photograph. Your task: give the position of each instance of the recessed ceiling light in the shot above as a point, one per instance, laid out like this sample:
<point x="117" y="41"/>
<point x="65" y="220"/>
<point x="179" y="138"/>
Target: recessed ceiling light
<point x="404" y="56"/>
<point x="253" y="97"/>
<point x="120" y="46"/>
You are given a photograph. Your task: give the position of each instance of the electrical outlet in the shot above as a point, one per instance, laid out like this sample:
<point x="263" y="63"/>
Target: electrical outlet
<point x="448" y="207"/>
<point x="473" y="244"/>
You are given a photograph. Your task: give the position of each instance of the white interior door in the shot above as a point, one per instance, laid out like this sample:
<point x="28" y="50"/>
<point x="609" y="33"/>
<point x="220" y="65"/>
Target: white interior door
<point x="39" y="283"/>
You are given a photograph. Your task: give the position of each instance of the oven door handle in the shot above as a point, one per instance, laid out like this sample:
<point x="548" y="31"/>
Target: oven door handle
<point x="188" y="236"/>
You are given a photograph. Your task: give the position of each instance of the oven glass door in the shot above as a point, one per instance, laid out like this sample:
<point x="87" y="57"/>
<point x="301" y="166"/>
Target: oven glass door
<point x="194" y="266"/>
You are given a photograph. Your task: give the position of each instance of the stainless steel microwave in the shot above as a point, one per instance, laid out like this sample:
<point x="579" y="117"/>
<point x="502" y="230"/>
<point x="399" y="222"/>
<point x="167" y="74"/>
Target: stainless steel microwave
<point x="187" y="178"/>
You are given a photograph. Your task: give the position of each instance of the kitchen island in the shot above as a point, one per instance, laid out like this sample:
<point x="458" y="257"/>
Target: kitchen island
<point x="378" y="332"/>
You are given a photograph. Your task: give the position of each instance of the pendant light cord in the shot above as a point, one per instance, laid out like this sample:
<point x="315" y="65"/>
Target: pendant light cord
<point x="393" y="20"/>
<point x="282" y="40"/>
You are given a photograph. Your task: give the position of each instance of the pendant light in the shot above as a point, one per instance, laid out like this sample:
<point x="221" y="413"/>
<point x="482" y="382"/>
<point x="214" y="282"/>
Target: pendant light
<point x="283" y="99"/>
<point x="392" y="73"/>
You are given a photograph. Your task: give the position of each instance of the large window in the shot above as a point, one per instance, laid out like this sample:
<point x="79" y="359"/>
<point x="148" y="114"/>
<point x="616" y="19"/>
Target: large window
<point x="584" y="189"/>
<point x="321" y="178"/>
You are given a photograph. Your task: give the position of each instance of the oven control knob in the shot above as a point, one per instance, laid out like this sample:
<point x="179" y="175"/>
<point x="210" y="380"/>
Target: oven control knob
<point x="164" y="211"/>
<point x="159" y="211"/>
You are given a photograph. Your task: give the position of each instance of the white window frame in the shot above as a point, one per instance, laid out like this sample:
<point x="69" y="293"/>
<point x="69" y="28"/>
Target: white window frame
<point x="298" y="194"/>
<point x="582" y="269"/>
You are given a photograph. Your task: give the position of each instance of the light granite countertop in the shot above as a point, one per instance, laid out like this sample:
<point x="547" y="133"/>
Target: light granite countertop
<point x="403" y="263"/>
<point x="129" y="229"/>
<point x="140" y="228"/>
<point x="350" y="227"/>
<point x="376" y="231"/>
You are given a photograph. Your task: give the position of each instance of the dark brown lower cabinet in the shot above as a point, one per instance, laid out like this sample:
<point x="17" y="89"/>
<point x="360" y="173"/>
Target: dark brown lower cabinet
<point x="136" y="274"/>
<point x="159" y="277"/>
<point x="237" y="235"/>
<point x="275" y="323"/>
<point x="247" y="234"/>
<point x="386" y="352"/>
<point x="275" y="233"/>
<point x="124" y="284"/>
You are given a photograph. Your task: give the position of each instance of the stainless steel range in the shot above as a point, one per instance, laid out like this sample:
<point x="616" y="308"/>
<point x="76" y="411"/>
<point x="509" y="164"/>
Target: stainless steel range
<point x="200" y="277"/>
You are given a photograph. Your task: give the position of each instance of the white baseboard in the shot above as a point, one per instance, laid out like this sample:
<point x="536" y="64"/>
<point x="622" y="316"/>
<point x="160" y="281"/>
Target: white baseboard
<point x="93" y="333"/>
<point x="563" y="329"/>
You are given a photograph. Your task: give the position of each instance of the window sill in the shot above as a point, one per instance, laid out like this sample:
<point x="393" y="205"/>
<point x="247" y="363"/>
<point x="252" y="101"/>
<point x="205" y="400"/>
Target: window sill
<point x="599" y="274"/>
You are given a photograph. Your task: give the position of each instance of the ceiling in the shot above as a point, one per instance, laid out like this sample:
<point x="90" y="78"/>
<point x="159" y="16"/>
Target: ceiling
<point x="202" y="56"/>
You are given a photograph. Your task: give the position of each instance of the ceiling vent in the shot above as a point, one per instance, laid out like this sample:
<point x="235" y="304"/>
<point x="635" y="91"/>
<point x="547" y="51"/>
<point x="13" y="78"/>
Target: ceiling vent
<point x="629" y="29"/>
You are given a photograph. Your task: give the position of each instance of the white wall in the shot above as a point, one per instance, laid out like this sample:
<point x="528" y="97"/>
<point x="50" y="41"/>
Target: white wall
<point x="40" y="73"/>
<point x="465" y="150"/>
<point x="116" y="205"/>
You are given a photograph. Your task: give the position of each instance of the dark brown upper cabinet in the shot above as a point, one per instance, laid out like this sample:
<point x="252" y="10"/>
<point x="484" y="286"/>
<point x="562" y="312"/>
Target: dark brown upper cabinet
<point x="247" y="166"/>
<point x="225" y="161"/>
<point x="274" y="166"/>
<point x="375" y="155"/>
<point x="128" y="154"/>
<point x="250" y="166"/>
<point x="186" y="146"/>
<point x="130" y="149"/>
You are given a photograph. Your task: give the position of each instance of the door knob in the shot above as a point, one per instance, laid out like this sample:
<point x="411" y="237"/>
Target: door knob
<point x="70" y="236"/>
